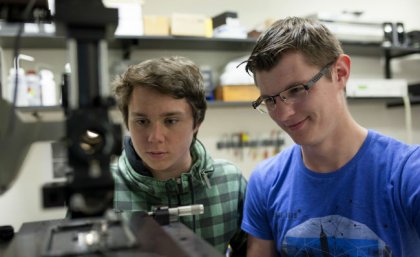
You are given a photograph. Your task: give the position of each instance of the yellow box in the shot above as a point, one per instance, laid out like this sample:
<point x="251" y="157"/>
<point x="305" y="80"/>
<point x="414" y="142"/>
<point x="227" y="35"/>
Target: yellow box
<point x="189" y="25"/>
<point x="155" y="25"/>
<point x="237" y="93"/>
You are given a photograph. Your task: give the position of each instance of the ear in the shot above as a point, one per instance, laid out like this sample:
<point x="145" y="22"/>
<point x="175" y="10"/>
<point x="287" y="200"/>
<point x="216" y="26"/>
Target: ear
<point x="342" y="69"/>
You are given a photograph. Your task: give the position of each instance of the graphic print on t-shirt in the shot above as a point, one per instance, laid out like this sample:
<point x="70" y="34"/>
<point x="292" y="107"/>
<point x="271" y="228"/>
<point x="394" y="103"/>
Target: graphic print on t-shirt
<point x="333" y="236"/>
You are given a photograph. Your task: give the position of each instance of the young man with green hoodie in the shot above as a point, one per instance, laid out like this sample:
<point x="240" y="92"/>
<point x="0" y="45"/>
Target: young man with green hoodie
<point x="163" y="163"/>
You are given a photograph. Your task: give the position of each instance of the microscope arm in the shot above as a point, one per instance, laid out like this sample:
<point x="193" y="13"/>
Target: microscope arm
<point x="16" y="140"/>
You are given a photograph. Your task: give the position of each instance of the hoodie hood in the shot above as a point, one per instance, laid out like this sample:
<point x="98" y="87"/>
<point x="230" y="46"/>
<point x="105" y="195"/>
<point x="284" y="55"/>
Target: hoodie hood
<point x="138" y="176"/>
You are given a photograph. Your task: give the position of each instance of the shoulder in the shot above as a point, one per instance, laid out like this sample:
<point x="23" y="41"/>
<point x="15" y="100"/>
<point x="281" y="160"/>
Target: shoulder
<point x="118" y="176"/>
<point x="119" y="165"/>
<point x="391" y="149"/>
<point x="115" y="170"/>
<point x="226" y="166"/>
<point x="398" y="160"/>
<point x="276" y="166"/>
<point x="228" y="170"/>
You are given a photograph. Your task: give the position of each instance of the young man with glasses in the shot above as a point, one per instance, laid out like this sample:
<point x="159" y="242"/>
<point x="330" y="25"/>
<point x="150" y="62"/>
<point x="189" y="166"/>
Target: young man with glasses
<point x="341" y="190"/>
<point x="163" y="163"/>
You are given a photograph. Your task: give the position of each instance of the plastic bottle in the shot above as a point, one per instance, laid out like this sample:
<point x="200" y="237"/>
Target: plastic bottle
<point x="22" y="90"/>
<point x="34" y="88"/>
<point x="48" y="88"/>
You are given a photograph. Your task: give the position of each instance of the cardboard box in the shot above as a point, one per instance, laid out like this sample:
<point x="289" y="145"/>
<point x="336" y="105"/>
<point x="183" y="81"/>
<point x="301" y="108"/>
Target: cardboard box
<point x="191" y="25"/>
<point x="155" y="25"/>
<point x="237" y="93"/>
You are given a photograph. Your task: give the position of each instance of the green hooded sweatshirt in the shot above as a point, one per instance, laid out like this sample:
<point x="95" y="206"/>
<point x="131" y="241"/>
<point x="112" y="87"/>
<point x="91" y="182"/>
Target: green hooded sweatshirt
<point x="217" y="184"/>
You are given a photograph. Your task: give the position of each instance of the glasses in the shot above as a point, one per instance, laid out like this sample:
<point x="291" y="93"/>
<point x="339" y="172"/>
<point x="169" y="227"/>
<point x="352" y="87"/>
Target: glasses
<point x="295" y="94"/>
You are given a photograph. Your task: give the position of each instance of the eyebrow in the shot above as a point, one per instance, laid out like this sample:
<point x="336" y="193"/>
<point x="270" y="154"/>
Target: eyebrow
<point x="166" y="114"/>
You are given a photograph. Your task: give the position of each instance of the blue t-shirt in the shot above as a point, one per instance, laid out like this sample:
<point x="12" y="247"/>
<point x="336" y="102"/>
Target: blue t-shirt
<point x="369" y="207"/>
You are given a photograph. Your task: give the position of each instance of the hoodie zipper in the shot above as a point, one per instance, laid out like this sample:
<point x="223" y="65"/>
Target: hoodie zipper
<point x="180" y="190"/>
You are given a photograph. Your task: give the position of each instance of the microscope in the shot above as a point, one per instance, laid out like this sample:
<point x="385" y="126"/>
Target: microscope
<point x="91" y="139"/>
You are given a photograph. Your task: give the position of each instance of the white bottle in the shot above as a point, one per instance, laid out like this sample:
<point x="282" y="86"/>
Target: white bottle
<point x="22" y="89"/>
<point x="48" y="88"/>
<point x="34" y="88"/>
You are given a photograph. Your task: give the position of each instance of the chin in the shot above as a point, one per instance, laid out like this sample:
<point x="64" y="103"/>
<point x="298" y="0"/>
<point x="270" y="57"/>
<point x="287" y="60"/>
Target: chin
<point x="158" y="168"/>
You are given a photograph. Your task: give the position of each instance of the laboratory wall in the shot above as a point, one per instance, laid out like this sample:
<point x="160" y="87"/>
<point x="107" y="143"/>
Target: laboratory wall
<point x="224" y="124"/>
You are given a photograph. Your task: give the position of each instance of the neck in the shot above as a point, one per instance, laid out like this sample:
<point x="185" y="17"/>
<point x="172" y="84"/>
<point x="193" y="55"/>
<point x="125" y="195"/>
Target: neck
<point x="336" y="150"/>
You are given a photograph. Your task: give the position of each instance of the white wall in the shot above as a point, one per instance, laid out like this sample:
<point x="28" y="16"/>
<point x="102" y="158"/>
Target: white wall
<point x="219" y="122"/>
<point x="22" y="202"/>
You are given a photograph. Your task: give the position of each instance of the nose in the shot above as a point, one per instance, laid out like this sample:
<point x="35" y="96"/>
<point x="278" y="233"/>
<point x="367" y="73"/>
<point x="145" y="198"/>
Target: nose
<point x="156" y="133"/>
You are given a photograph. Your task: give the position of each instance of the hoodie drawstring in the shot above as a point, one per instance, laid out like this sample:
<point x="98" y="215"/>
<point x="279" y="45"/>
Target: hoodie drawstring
<point x="168" y="194"/>
<point x="190" y="183"/>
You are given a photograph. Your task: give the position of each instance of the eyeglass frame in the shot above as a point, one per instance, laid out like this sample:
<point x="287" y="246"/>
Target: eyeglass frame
<point x="306" y="87"/>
